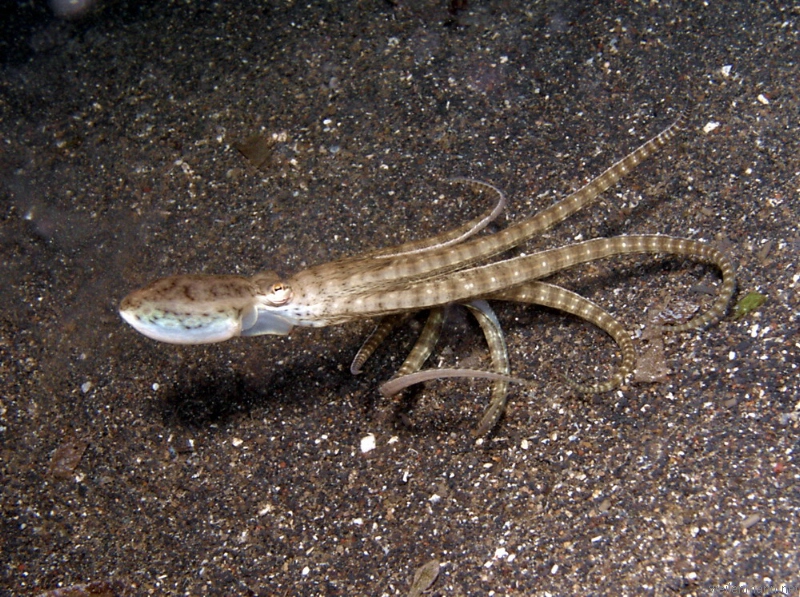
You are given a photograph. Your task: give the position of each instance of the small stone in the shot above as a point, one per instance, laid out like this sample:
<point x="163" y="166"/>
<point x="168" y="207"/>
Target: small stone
<point x="367" y="443"/>
<point x="67" y="456"/>
<point x="424" y="577"/>
<point x="751" y="520"/>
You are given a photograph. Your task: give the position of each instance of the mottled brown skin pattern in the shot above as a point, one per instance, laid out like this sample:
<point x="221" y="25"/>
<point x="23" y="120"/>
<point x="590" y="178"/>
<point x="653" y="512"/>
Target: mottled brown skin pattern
<point x="445" y="269"/>
<point x="203" y="292"/>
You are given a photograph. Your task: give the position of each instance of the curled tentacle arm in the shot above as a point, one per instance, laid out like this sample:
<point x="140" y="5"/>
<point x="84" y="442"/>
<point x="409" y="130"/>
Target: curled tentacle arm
<point x="499" y="354"/>
<point x="452" y="237"/>
<point x="391" y="387"/>
<point x="409" y="373"/>
<point x="382" y="330"/>
<point x="555" y="297"/>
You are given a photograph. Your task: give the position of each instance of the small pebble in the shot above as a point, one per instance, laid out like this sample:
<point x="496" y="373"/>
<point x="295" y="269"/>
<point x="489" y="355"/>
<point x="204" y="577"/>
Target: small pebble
<point x="424" y="577"/>
<point x="751" y="520"/>
<point x="367" y="443"/>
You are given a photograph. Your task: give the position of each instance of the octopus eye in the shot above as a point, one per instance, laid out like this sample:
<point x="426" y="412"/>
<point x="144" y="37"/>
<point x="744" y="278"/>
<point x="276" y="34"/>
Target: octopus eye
<point x="280" y="294"/>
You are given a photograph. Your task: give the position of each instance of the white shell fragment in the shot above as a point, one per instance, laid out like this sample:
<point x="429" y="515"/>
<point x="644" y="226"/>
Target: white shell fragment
<point x="500" y="553"/>
<point x="710" y="126"/>
<point x="367" y="443"/>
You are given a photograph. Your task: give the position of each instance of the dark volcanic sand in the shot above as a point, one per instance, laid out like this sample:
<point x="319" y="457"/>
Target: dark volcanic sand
<point x="237" y="469"/>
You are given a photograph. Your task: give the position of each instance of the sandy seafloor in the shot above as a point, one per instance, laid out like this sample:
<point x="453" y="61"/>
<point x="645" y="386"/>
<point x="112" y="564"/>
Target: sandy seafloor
<point x="237" y="469"/>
